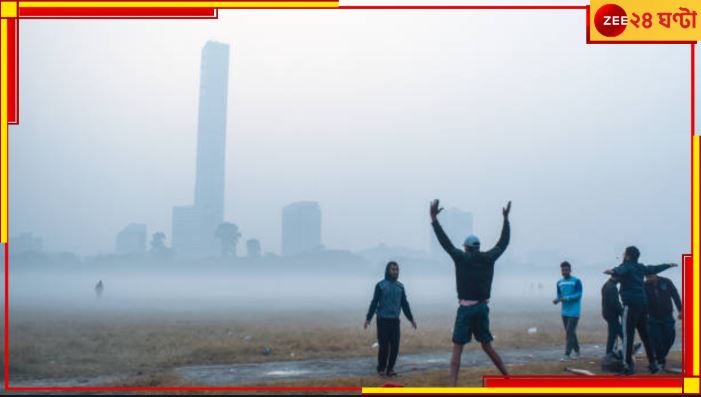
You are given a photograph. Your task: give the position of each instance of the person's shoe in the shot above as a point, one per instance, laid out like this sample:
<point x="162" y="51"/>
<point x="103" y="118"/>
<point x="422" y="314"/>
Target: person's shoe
<point x="576" y="355"/>
<point x="565" y="357"/>
<point x="627" y="371"/>
<point x="391" y="373"/>
<point x="381" y="374"/>
<point x="653" y="367"/>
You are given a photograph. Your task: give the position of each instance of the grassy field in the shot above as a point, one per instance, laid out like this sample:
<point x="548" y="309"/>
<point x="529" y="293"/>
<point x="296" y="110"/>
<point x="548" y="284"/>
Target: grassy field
<point x="65" y="344"/>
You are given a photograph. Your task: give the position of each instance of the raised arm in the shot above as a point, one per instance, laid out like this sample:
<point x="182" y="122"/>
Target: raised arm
<point x="654" y="269"/>
<point x="440" y="233"/>
<point x="503" y="242"/>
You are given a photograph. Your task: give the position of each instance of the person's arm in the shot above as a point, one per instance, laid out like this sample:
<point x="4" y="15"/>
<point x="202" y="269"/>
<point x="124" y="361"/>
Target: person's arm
<point x="559" y="295"/>
<point x="619" y="270"/>
<point x="373" y="305"/>
<point x="407" y="310"/>
<point x="675" y="297"/>
<point x="443" y="238"/>
<point x="505" y="236"/>
<point x="654" y="269"/>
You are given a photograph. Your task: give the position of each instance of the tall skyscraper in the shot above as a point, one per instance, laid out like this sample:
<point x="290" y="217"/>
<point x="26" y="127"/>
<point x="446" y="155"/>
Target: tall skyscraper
<point x="132" y="239"/>
<point x="457" y="225"/>
<point x="194" y="226"/>
<point x="301" y="228"/>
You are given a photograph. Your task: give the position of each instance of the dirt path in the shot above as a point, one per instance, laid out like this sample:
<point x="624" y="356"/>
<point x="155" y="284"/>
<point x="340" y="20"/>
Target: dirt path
<point x="236" y="374"/>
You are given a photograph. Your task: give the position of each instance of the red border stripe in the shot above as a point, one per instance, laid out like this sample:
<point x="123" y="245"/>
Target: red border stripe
<point x="579" y="381"/>
<point x="12" y="81"/>
<point x="687" y="322"/>
<point x="38" y="12"/>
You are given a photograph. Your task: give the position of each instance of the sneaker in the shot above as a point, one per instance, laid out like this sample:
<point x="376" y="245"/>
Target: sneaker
<point x="381" y="374"/>
<point x="391" y="373"/>
<point x="565" y="357"/>
<point x="576" y="355"/>
<point x="627" y="371"/>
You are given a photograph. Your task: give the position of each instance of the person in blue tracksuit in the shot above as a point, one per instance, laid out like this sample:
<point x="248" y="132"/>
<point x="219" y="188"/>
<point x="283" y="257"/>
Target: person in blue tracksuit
<point x="661" y="292"/>
<point x="569" y="293"/>
<point x="635" y="312"/>
<point x="387" y="301"/>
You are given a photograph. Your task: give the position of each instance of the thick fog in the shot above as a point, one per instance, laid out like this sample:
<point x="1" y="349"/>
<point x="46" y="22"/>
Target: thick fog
<point x="370" y="113"/>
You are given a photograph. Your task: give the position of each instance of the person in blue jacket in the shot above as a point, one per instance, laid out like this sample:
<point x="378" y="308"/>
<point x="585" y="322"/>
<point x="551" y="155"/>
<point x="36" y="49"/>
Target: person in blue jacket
<point x="388" y="300"/>
<point x="569" y="293"/>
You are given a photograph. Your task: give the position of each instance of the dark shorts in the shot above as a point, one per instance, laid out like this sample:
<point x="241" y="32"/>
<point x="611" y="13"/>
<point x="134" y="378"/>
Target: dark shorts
<point x="472" y="320"/>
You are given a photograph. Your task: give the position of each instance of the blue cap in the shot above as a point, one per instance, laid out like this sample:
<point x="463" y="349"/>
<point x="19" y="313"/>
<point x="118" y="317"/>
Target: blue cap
<point x="472" y="241"/>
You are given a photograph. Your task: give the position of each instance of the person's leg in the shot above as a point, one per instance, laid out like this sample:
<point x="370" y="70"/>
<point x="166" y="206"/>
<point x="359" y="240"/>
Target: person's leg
<point x="628" y="337"/>
<point x="455" y="364"/>
<point x="612" y="335"/>
<point x="393" y="345"/>
<point x="668" y="336"/>
<point x="642" y="327"/>
<point x="655" y="334"/>
<point x="572" y="343"/>
<point x="568" y="349"/>
<point x="494" y="356"/>
<point x="383" y="342"/>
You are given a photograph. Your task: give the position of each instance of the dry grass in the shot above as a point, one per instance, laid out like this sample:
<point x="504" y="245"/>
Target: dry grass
<point x="69" y="344"/>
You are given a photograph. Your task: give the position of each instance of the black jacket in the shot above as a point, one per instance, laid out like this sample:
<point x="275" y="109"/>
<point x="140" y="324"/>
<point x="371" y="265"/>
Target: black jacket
<point x="660" y="296"/>
<point x="610" y="303"/>
<point x="473" y="270"/>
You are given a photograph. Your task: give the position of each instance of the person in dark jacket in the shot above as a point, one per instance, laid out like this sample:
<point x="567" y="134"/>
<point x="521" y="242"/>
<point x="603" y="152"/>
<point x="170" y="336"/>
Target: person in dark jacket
<point x="632" y="291"/>
<point x="661" y="292"/>
<point x="387" y="301"/>
<point x="611" y="310"/>
<point x="474" y="271"/>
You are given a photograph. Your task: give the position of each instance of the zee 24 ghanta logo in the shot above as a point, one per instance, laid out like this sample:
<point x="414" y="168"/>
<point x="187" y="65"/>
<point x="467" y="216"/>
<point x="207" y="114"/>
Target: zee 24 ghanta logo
<point x="611" y="19"/>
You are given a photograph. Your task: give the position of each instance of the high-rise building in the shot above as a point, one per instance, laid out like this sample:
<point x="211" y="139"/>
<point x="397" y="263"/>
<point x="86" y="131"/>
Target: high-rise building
<point x="301" y="228"/>
<point x="132" y="239"/>
<point x="457" y="224"/>
<point x="194" y="226"/>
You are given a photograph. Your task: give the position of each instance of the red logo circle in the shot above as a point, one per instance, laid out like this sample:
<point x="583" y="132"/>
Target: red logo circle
<point x="610" y="20"/>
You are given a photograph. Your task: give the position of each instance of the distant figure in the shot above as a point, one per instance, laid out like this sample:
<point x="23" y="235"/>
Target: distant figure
<point x="632" y="291"/>
<point x="611" y="310"/>
<point x="389" y="298"/>
<point x="660" y="292"/>
<point x="474" y="271"/>
<point x="569" y="293"/>
<point x="99" y="287"/>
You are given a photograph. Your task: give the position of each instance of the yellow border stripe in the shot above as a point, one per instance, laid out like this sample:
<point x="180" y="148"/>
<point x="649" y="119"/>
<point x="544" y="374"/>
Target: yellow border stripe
<point x="695" y="248"/>
<point x="528" y="390"/>
<point x="186" y="4"/>
<point x="3" y="128"/>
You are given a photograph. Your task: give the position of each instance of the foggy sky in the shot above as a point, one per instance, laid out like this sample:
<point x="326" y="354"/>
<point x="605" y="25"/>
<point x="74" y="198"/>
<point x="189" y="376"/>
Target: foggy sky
<point x="371" y="113"/>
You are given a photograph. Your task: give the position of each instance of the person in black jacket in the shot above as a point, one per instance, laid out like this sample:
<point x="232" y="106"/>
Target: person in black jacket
<point x="474" y="271"/>
<point x="632" y="291"/>
<point x="611" y="310"/>
<point x="389" y="298"/>
<point x="661" y="293"/>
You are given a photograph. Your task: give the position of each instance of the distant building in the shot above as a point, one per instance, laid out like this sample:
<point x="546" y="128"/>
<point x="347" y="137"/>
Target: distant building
<point x="457" y="225"/>
<point x="301" y="228"/>
<point x="194" y="226"/>
<point x="131" y="240"/>
<point x="25" y="242"/>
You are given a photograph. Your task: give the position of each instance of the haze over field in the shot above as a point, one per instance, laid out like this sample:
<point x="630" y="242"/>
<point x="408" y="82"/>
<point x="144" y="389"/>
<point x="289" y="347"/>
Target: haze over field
<point x="370" y="113"/>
